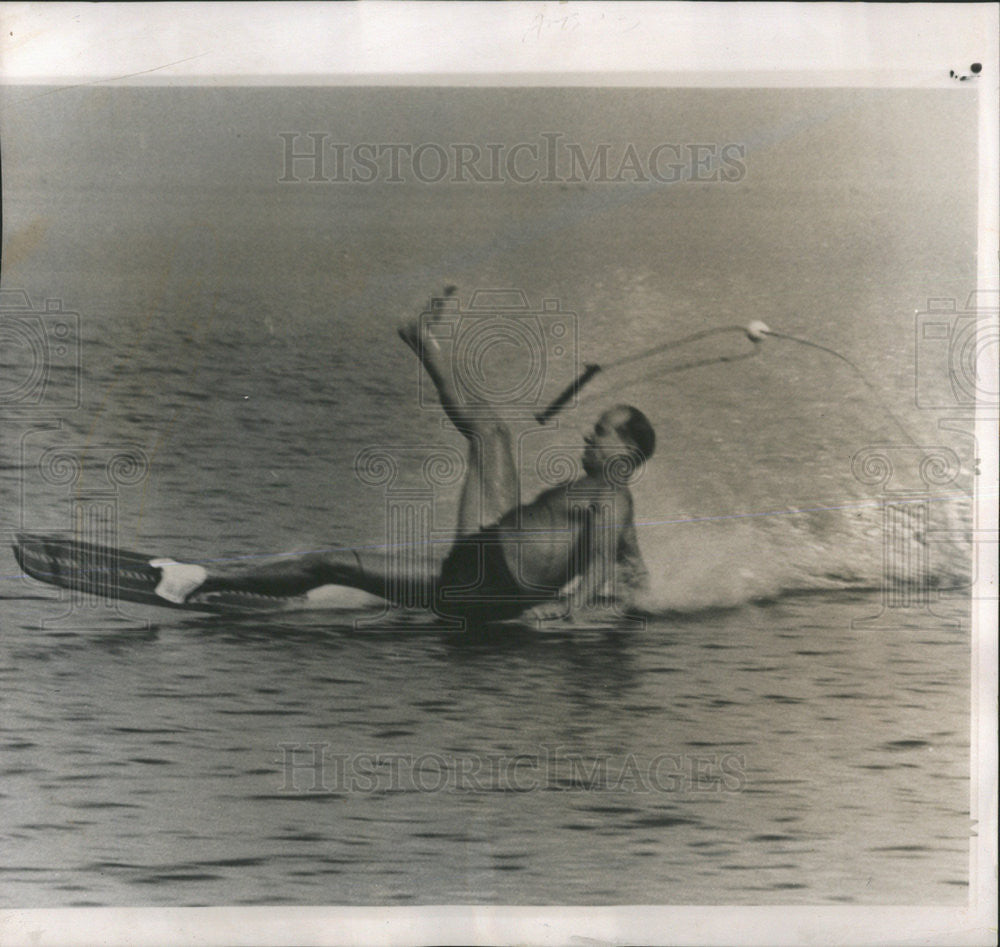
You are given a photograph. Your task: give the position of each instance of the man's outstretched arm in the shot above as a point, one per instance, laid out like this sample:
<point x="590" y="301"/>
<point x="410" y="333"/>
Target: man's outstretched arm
<point x="596" y="560"/>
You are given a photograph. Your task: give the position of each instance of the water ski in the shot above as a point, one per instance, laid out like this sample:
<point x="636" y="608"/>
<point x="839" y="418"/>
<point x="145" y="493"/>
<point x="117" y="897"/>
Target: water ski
<point x="118" y="574"/>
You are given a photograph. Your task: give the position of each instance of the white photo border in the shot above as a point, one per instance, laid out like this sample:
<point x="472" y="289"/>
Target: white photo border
<point x="919" y="45"/>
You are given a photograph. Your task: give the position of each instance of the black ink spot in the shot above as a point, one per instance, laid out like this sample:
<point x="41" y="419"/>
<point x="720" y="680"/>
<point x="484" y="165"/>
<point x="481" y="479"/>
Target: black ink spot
<point x="975" y="69"/>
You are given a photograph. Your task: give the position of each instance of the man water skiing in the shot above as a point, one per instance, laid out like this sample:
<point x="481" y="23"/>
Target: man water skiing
<point x="568" y="547"/>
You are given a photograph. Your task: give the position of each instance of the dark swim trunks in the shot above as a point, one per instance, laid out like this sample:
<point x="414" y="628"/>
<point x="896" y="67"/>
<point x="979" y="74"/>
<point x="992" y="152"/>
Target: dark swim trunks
<point x="476" y="583"/>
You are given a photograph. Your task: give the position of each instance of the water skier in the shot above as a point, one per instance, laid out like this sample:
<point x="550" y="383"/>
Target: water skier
<point x="570" y="546"/>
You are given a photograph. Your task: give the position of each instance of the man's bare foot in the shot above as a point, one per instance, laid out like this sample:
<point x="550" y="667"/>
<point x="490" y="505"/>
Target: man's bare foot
<point x="178" y="579"/>
<point x="410" y="331"/>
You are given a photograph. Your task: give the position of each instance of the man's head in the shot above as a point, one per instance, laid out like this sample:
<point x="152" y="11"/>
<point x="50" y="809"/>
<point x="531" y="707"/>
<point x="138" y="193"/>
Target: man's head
<point x="622" y="431"/>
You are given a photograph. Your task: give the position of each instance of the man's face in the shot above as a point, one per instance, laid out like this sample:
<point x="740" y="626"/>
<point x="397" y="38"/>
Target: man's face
<point x="604" y="442"/>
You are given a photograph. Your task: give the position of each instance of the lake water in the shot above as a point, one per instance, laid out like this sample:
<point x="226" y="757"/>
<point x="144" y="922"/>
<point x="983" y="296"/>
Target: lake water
<point x="757" y="742"/>
<point x="764" y="755"/>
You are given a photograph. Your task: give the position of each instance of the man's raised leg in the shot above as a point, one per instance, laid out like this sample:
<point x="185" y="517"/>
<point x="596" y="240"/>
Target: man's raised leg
<point x="491" y="486"/>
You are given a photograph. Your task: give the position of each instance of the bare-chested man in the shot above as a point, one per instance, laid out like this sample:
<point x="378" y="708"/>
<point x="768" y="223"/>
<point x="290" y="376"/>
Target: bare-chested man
<point x="568" y="547"/>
